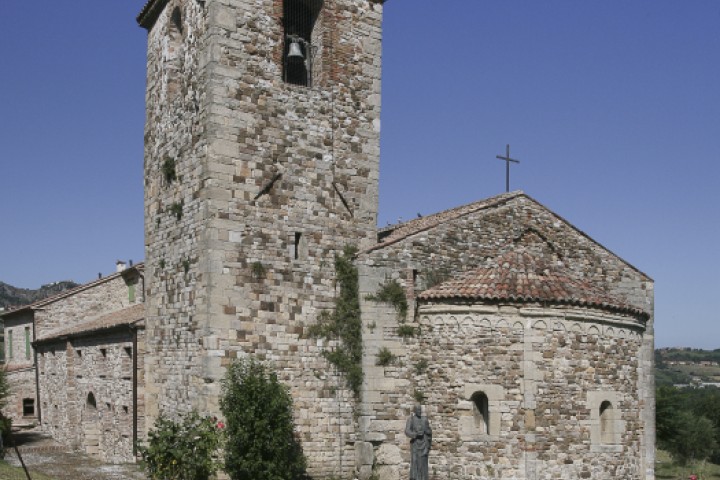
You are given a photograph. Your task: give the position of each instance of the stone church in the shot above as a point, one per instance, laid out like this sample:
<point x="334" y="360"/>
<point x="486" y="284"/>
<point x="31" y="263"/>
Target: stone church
<point x="529" y="344"/>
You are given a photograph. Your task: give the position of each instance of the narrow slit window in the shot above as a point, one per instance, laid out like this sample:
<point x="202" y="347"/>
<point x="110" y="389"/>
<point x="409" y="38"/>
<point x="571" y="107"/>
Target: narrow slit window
<point x="296" y="250"/>
<point x="481" y="412"/>
<point x="606" y="422"/>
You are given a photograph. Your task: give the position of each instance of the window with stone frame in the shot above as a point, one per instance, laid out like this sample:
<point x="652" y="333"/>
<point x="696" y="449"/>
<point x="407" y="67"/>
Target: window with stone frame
<point x="606" y="423"/>
<point x="299" y="49"/>
<point x="481" y="412"/>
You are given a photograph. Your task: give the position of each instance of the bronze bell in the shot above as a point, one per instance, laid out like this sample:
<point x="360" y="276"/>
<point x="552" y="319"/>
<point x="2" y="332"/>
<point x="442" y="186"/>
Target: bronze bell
<point x="295" y="52"/>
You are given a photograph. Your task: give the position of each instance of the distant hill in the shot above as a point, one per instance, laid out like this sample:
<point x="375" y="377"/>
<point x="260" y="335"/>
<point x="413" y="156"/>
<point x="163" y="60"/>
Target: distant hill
<point x="14" y="297"/>
<point x="686" y="366"/>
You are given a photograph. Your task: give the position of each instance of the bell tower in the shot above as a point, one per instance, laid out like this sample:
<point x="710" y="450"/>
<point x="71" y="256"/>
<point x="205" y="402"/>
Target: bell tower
<point x="261" y="162"/>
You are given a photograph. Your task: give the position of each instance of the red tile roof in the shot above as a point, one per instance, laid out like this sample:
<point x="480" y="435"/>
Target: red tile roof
<point x="519" y="277"/>
<point x="126" y="316"/>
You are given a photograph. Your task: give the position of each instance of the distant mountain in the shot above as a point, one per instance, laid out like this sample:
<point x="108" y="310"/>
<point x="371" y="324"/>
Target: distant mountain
<point x="11" y="297"/>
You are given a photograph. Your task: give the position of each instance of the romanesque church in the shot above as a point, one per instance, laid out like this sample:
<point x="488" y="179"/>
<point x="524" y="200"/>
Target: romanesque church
<point x="529" y="345"/>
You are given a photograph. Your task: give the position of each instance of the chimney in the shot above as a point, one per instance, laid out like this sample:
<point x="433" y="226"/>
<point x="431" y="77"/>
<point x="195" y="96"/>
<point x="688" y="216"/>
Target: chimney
<point x="120" y="265"/>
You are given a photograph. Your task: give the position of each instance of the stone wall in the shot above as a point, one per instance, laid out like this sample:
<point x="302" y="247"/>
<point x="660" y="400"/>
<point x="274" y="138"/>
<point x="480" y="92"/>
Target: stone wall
<point x="545" y="373"/>
<point x="86" y="393"/>
<point x="274" y="179"/>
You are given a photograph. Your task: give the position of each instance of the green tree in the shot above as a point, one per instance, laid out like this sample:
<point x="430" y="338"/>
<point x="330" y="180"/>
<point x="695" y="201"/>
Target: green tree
<point x="694" y="438"/>
<point x="261" y="443"/>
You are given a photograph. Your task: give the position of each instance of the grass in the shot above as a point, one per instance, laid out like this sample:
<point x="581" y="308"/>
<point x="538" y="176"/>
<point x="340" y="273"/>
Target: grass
<point x="11" y="473"/>
<point x="666" y="469"/>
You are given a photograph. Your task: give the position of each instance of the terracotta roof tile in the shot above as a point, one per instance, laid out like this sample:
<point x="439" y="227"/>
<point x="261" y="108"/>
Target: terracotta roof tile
<point x="126" y="316"/>
<point x="519" y="277"/>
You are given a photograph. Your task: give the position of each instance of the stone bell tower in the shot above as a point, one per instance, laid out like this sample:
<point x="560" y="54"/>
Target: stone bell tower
<point x="261" y="162"/>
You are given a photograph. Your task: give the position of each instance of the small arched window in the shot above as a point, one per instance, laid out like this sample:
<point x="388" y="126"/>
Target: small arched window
<point x="481" y="412"/>
<point x="299" y="17"/>
<point x="606" y="422"/>
<point x="91" y="403"/>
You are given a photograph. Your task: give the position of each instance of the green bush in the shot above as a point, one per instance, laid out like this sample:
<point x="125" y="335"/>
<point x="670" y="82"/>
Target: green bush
<point x="384" y="357"/>
<point x="261" y="443"/>
<point x="185" y="450"/>
<point x="394" y="294"/>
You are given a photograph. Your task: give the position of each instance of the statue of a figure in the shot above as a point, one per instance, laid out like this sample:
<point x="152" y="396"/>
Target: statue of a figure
<point x="418" y="429"/>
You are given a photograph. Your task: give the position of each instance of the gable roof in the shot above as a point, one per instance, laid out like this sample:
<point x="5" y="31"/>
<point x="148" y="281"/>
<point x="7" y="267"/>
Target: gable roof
<point x="396" y="233"/>
<point x="519" y="277"/>
<point x="111" y="321"/>
<point x="140" y="267"/>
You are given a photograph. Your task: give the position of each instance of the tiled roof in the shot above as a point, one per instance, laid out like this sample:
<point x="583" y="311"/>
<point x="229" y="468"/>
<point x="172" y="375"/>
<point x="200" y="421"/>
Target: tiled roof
<point x="395" y="233"/>
<point x="126" y="316"/>
<point x="45" y="301"/>
<point x="519" y="277"/>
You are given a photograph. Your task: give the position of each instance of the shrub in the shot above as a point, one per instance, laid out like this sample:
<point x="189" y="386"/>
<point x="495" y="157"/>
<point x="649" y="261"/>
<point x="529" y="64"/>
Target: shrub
<point x="394" y="294"/>
<point x="261" y="443"/>
<point x="168" y="169"/>
<point x="405" y="330"/>
<point x="184" y="450"/>
<point x="384" y="357"/>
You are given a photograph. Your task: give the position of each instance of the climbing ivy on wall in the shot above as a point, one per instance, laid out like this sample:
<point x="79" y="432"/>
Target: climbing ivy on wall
<point x="344" y="323"/>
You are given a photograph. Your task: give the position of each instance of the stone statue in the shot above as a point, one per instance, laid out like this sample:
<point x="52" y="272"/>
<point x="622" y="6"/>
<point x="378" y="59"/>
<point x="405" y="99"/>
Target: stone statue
<point x="418" y="429"/>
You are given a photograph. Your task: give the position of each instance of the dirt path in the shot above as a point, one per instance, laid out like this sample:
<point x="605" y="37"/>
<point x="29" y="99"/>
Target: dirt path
<point x="43" y="455"/>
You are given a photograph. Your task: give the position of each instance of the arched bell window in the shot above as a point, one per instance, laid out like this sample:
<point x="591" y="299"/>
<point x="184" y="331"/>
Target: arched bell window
<point x="299" y="17"/>
<point x="90" y="402"/>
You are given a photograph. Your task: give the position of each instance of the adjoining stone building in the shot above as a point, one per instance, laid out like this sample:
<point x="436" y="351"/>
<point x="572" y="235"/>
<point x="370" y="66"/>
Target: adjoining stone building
<point x="81" y="366"/>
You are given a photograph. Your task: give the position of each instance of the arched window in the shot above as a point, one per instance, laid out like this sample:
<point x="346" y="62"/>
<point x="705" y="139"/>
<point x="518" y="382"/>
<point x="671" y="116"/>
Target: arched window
<point x="481" y="412"/>
<point x="299" y="18"/>
<point x="91" y="401"/>
<point x="606" y="422"/>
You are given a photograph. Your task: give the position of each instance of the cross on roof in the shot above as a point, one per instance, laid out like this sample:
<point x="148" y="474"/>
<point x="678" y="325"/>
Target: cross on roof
<point x="507" y="161"/>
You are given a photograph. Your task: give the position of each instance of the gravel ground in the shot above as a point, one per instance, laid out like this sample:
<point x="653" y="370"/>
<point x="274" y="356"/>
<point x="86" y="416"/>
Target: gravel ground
<point x="42" y="454"/>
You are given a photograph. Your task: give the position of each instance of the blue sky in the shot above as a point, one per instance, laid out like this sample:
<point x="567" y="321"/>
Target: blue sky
<point x="612" y="107"/>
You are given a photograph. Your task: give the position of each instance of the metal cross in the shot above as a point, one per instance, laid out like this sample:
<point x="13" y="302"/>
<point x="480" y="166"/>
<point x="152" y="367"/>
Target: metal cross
<point x="507" y="161"/>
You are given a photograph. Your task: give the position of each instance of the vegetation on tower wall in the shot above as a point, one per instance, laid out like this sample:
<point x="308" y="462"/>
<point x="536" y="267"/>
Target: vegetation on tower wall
<point x="344" y="323"/>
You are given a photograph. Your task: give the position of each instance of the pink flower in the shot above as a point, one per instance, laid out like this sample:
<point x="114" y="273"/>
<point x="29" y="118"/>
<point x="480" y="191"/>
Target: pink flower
<point x="220" y="425"/>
